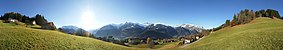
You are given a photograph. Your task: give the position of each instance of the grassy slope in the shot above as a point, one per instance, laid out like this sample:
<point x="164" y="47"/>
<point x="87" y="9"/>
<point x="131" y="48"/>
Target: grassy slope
<point x="166" y="45"/>
<point x="18" y="37"/>
<point x="262" y="33"/>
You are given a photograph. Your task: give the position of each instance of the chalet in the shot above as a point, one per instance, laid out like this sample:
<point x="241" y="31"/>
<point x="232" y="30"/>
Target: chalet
<point x="12" y="20"/>
<point x="187" y="41"/>
<point x="197" y="37"/>
<point x="33" y="22"/>
<point x="190" y="40"/>
<point x="49" y="26"/>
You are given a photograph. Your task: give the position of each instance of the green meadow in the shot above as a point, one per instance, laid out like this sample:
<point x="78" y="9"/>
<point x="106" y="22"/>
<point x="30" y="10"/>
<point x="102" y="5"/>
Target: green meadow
<point x="260" y="34"/>
<point x="16" y="37"/>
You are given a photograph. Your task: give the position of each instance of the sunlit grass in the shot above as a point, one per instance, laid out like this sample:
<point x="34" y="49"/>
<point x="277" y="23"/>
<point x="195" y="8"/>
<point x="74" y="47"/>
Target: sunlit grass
<point x="17" y="37"/>
<point x="164" y="45"/>
<point x="260" y="34"/>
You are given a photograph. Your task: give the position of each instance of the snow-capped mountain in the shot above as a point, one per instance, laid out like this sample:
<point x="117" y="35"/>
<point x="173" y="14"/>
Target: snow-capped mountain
<point x="158" y="31"/>
<point x="192" y="27"/>
<point x="122" y="30"/>
<point x="69" y="29"/>
<point x="136" y="30"/>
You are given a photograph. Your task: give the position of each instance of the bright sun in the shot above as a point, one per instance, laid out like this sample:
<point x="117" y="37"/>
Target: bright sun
<point x="87" y="20"/>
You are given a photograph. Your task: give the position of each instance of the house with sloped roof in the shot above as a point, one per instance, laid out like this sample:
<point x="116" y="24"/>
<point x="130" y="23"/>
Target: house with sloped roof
<point x="12" y="20"/>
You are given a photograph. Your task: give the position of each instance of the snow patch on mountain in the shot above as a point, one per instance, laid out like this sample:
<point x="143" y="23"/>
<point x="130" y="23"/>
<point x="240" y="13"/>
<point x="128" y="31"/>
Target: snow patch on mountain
<point x="192" y="27"/>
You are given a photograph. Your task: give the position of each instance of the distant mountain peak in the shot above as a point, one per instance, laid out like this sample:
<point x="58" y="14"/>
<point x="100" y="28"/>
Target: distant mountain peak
<point x="130" y="29"/>
<point x="191" y="27"/>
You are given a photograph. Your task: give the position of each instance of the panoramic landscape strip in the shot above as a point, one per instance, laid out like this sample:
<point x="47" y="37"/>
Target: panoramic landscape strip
<point x="140" y="25"/>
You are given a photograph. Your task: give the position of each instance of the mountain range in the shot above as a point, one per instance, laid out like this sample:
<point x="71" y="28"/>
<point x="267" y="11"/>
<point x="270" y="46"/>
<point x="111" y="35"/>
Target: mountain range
<point x="143" y="31"/>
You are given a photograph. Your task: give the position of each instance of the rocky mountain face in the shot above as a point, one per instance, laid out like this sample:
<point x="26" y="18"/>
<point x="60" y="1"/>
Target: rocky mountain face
<point x="158" y="31"/>
<point x="129" y="29"/>
<point x="191" y="27"/>
<point x="69" y="29"/>
<point x="108" y="30"/>
<point x="187" y="29"/>
<point x="155" y="31"/>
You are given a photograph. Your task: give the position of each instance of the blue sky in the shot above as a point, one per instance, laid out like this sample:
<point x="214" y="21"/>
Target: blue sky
<point x="92" y="14"/>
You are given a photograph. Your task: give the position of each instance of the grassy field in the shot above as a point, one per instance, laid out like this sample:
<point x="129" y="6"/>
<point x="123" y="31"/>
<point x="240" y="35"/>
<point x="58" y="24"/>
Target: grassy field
<point x="19" y="37"/>
<point x="169" y="46"/>
<point x="260" y="34"/>
<point x="165" y="45"/>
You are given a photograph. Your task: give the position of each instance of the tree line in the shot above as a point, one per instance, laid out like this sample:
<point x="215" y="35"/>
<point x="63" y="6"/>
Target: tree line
<point x="29" y="21"/>
<point x="39" y="20"/>
<point x="246" y="16"/>
<point x="17" y="16"/>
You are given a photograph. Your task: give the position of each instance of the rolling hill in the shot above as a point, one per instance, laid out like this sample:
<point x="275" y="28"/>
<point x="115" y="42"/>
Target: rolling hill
<point x="260" y="34"/>
<point x="19" y="37"/>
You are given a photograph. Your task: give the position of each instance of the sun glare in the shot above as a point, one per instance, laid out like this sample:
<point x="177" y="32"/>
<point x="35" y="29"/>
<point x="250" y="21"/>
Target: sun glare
<point x="87" y="20"/>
